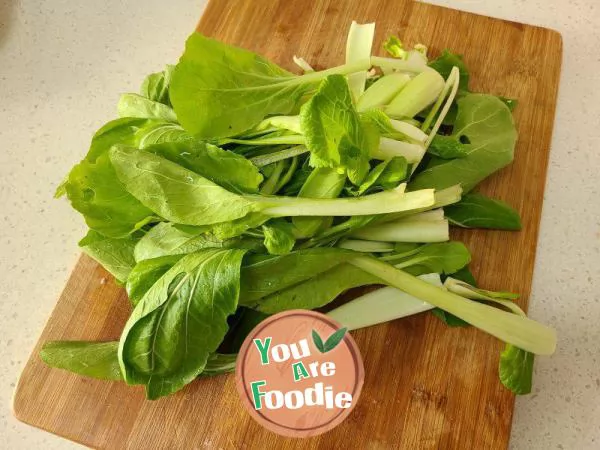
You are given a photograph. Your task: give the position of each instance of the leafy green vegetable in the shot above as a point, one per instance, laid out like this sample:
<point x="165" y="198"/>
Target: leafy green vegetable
<point x="385" y="175"/>
<point x="334" y="133"/>
<point x="90" y="359"/>
<point x="418" y="94"/>
<point x="180" y="321"/>
<point x="114" y="254"/>
<point x="94" y="190"/>
<point x="279" y="237"/>
<point x="516" y="365"/>
<point x="134" y="105"/>
<point x="227" y="169"/>
<point x="478" y="211"/>
<point x="444" y="63"/>
<point x="443" y="258"/>
<point x="519" y="331"/>
<point x="264" y="276"/>
<point x="317" y="291"/>
<point x="382" y="305"/>
<point x="219" y="90"/>
<point x="147" y="272"/>
<point x="485" y="125"/>
<point x="323" y="182"/>
<point x="156" y="86"/>
<point x="393" y="45"/>
<point x="447" y="147"/>
<point x="516" y="369"/>
<point x="170" y="239"/>
<point x="160" y="185"/>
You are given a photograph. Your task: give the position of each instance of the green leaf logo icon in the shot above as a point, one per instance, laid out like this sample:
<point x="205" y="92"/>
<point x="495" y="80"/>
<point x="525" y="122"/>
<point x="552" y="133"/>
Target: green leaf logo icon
<point x="331" y="342"/>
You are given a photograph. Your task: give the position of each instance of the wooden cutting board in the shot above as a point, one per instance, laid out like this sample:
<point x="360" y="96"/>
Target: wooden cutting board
<point x="427" y="385"/>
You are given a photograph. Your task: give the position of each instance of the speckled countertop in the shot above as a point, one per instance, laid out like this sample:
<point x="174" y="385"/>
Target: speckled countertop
<point x="62" y="66"/>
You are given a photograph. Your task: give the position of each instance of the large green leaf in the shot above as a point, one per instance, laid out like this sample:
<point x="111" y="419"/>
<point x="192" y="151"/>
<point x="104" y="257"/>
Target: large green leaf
<point x="147" y="272"/>
<point x="90" y="359"/>
<point x="264" y="275"/>
<point x="486" y="125"/>
<point x="227" y="169"/>
<point x="478" y="211"/>
<point x="219" y="90"/>
<point x="180" y="321"/>
<point x="114" y="254"/>
<point x="174" y="192"/>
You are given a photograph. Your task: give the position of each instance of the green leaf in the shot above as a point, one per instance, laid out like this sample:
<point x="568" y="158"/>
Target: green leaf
<point x="465" y="275"/>
<point x="156" y="86"/>
<point x="516" y="369"/>
<point x="444" y="257"/>
<point x="317" y="291"/>
<point x="158" y="132"/>
<point x="219" y="90"/>
<point x="227" y="169"/>
<point x="318" y="341"/>
<point x="323" y="182"/>
<point x="237" y="227"/>
<point x="114" y="254"/>
<point x="334" y="132"/>
<point x="384" y="176"/>
<point x="180" y="321"/>
<point x="219" y="363"/>
<point x="90" y="359"/>
<point x="94" y="190"/>
<point x="443" y="65"/>
<point x="449" y="319"/>
<point x="333" y="340"/>
<point x="161" y="185"/>
<point x="134" y="105"/>
<point x="171" y="239"/>
<point x="478" y="211"/>
<point x="262" y="276"/>
<point x="146" y="273"/>
<point x="279" y="237"/>
<point x="393" y="45"/>
<point x="485" y="125"/>
<point x="446" y="147"/>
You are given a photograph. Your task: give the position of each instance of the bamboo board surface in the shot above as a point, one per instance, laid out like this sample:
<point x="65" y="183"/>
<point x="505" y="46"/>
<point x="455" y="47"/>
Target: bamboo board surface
<point x="427" y="385"/>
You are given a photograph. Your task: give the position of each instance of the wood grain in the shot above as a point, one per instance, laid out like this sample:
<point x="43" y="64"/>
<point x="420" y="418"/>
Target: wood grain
<point x="427" y="386"/>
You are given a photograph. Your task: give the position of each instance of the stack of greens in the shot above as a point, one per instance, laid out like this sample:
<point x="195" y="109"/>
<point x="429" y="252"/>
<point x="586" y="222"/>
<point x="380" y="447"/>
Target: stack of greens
<point x="230" y="189"/>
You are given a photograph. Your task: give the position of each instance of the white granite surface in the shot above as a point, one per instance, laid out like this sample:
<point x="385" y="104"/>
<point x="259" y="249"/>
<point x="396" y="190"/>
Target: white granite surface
<point x="62" y="66"/>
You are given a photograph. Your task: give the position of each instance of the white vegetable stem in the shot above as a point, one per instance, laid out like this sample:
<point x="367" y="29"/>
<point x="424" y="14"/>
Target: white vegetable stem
<point x="417" y="95"/>
<point x="406" y="231"/>
<point x="358" y="48"/>
<point x="408" y="130"/>
<point x="434" y="215"/>
<point x="301" y="62"/>
<point x="390" y="148"/>
<point x="453" y="81"/>
<point x="382" y="91"/>
<point x="359" y="245"/>
<point x="291" y="123"/>
<point x="381" y="306"/>
<point x="394" y="200"/>
<point x="389" y="65"/>
<point x="519" y="331"/>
